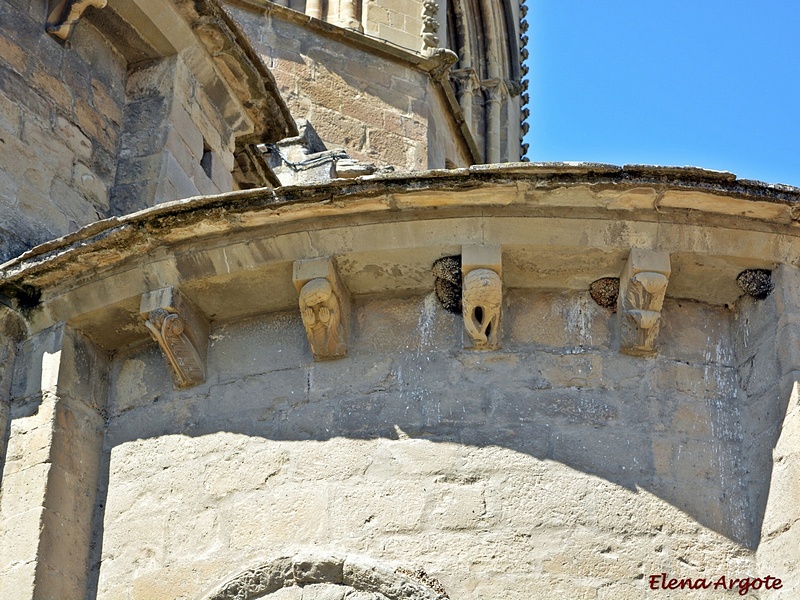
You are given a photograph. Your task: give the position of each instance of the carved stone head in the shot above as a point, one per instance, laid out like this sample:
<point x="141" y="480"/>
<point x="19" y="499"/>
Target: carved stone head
<point x="482" y="298"/>
<point x="316" y="292"/>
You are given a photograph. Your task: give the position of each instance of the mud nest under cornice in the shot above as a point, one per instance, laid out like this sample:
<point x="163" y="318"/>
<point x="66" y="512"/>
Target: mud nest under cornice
<point x="756" y="283"/>
<point x="605" y="291"/>
<point x="447" y="271"/>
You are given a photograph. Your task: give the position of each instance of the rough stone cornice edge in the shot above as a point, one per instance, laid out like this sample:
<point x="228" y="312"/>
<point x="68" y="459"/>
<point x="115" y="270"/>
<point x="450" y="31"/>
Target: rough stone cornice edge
<point x="141" y="231"/>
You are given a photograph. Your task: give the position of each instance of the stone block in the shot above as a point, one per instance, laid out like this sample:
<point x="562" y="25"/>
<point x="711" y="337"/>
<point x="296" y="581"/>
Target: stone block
<point x="14" y="56"/>
<point x="78" y="209"/>
<point x="221" y="168"/>
<point x="590" y="558"/>
<point x="52" y="87"/>
<point x="16" y="583"/>
<point x="63" y="565"/>
<point x="200" y="124"/>
<point x="457" y="507"/>
<point x="355" y="377"/>
<point x="786" y="279"/>
<point x="281" y="409"/>
<point x="95" y="125"/>
<point x="280" y="515"/>
<point x="762" y="370"/>
<point x="105" y="103"/>
<point x="137" y="380"/>
<point x="608" y="452"/>
<point x="18" y="90"/>
<point x="765" y="412"/>
<point x="555" y="320"/>
<point x="57" y="156"/>
<point x="37" y="372"/>
<point x="181" y="181"/>
<point x="412" y="127"/>
<point x="127" y="198"/>
<point x="673" y="416"/>
<point x="781" y="510"/>
<point x="383" y="507"/>
<point x="74" y="71"/>
<point x="104" y="164"/>
<point x="149" y="168"/>
<point x="90" y="185"/>
<point x="9" y="116"/>
<point x="752" y="321"/>
<point x="77" y="440"/>
<point x="375" y="16"/>
<point x="145" y="127"/>
<point x="324" y="95"/>
<point x="28" y="444"/>
<point x="73" y="137"/>
<point x="704" y="503"/>
<point x="778" y="557"/>
<point x="697" y="381"/>
<point x="340" y="131"/>
<point x="399" y="459"/>
<point x="204" y="184"/>
<point x="788" y="444"/>
<point x="107" y="65"/>
<point x="387" y="147"/>
<point x="787" y="344"/>
<point x="279" y="340"/>
<point x="404" y="7"/>
<point x="24" y="490"/>
<point x="338" y="459"/>
<point x="537" y="501"/>
<point x="178" y="148"/>
<point x="698" y="333"/>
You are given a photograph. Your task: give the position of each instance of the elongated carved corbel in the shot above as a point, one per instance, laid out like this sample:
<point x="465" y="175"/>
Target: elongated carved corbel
<point x="641" y="295"/>
<point x="324" y="307"/>
<point x="65" y="14"/>
<point x="430" y="26"/>
<point x="181" y="332"/>
<point x="482" y="296"/>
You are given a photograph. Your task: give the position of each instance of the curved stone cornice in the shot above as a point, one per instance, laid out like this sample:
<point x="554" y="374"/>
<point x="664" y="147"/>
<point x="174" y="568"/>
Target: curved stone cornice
<point x="559" y="225"/>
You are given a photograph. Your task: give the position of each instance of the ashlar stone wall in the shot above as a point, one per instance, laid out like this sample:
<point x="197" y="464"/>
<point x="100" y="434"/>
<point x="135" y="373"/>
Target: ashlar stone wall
<point x="60" y="121"/>
<point x="175" y="144"/>
<point x="379" y="110"/>
<point x="106" y="124"/>
<point x="553" y="467"/>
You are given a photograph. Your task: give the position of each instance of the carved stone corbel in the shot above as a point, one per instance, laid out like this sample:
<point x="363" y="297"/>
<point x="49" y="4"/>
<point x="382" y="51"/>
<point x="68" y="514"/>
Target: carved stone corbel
<point x="65" y="14"/>
<point x="482" y="296"/>
<point x="430" y="26"/>
<point x="641" y="295"/>
<point x="324" y="307"/>
<point x="181" y="332"/>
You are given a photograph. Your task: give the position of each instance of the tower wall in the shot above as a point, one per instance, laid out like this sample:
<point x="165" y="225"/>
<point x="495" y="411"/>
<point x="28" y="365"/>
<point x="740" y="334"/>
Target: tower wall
<point x="61" y="113"/>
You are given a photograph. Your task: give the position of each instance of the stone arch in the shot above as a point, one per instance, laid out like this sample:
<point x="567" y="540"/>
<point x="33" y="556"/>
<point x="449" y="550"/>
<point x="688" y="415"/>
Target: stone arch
<point x="350" y="573"/>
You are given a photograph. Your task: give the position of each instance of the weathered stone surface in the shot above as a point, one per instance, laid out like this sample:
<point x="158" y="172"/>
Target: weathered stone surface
<point x="539" y="456"/>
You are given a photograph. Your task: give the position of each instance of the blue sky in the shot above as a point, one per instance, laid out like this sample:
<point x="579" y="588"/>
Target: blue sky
<point x="706" y="83"/>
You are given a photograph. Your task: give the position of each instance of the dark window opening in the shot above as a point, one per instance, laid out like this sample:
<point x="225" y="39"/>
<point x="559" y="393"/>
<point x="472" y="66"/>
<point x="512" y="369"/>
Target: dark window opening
<point x="206" y="160"/>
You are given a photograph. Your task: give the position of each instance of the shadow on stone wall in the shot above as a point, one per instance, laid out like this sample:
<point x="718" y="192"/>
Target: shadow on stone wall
<point x="679" y="426"/>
